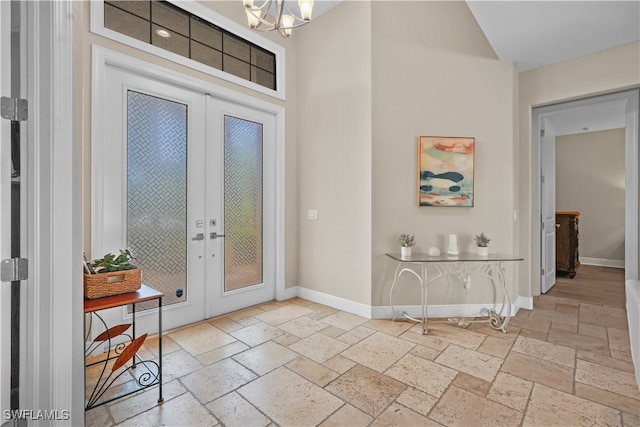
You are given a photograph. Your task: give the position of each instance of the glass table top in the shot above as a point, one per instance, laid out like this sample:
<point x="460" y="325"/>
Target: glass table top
<point x="461" y="257"/>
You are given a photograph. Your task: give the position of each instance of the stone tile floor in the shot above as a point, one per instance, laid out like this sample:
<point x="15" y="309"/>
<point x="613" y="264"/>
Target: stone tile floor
<point x="298" y="363"/>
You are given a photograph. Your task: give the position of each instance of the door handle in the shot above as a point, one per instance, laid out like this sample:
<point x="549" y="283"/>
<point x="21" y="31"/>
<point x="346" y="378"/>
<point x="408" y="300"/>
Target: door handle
<point x="215" y="235"/>
<point x="199" y="236"/>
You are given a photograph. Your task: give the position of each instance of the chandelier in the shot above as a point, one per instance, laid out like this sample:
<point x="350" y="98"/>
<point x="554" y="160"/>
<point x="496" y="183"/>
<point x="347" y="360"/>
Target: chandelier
<point x="281" y="18"/>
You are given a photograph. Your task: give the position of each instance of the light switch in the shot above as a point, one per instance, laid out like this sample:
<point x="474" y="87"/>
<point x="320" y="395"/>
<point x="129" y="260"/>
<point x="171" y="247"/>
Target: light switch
<point x="312" y="214"/>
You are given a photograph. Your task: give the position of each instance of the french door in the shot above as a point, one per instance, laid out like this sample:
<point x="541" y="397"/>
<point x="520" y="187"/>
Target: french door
<point x="188" y="187"/>
<point x="240" y="187"/>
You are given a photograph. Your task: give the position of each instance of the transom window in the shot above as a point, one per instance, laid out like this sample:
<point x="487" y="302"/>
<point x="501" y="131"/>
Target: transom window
<point x="168" y="27"/>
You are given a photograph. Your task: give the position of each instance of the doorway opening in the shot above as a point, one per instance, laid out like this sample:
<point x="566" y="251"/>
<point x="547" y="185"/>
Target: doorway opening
<point x="597" y="115"/>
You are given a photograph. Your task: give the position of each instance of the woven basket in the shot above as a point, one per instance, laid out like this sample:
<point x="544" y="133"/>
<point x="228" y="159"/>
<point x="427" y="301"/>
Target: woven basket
<point x="112" y="283"/>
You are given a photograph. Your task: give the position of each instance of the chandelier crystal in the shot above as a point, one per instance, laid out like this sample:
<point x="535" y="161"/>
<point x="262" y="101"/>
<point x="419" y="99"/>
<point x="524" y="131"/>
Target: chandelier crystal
<point x="281" y="18"/>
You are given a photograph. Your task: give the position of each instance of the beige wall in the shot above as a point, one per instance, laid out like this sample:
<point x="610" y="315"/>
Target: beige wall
<point x="334" y="152"/>
<point x="602" y="72"/>
<point x="438" y="75"/>
<point x="82" y="41"/>
<point x="590" y="175"/>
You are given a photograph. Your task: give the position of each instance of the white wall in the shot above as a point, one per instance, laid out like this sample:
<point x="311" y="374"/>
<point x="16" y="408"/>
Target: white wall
<point x="590" y="174"/>
<point x="602" y="72"/>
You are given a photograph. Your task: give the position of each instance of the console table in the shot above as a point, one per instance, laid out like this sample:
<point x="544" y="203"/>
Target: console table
<point x="146" y="373"/>
<point x="463" y="265"/>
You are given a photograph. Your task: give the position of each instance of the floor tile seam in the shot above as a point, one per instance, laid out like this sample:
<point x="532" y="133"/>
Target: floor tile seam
<point x="203" y="405"/>
<point x="256" y="373"/>
<point x="428" y="416"/>
<point x="620" y="412"/>
<point x="395" y="402"/>
<point x="277" y="325"/>
<point x="325" y="419"/>
<point x="158" y="405"/>
<point x="551" y="361"/>
<point x="110" y="417"/>
<point x="603" y="365"/>
<point x="237" y="390"/>
<point x="357" y="342"/>
<point x="325" y="388"/>
<point x="530" y="395"/>
<point x="243" y="398"/>
<point x="406" y="386"/>
<point x="151" y="389"/>
<point x="605" y="390"/>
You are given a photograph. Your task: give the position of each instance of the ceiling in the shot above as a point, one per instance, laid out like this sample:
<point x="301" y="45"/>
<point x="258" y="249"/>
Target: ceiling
<point x="533" y="34"/>
<point x="536" y="33"/>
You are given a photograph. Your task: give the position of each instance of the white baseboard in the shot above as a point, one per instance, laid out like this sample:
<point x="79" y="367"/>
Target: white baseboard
<point x="615" y="263"/>
<point x="450" y="310"/>
<point x="385" y="312"/>
<point x="329" y="300"/>
<point x="524" y="302"/>
<point x="287" y="293"/>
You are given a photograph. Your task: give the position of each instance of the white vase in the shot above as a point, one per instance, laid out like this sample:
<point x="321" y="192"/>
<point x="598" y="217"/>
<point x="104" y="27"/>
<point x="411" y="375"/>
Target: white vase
<point x="405" y="251"/>
<point x="453" y="244"/>
<point x="483" y="251"/>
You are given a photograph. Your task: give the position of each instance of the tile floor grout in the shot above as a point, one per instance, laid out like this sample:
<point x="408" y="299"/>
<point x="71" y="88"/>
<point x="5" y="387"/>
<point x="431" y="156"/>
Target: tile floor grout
<point x="386" y="373"/>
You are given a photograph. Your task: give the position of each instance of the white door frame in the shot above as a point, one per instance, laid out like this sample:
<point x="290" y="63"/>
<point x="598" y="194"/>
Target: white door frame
<point x="54" y="358"/>
<point x="632" y="183"/>
<point x="5" y="207"/>
<point x="103" y="57"/>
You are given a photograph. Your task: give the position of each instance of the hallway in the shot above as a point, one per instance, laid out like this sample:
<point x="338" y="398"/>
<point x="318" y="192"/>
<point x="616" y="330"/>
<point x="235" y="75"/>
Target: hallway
<point x="295" y="362"/>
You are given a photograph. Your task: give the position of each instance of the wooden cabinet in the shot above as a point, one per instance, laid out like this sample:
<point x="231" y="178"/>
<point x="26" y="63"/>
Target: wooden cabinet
<point x="567" y="236"/>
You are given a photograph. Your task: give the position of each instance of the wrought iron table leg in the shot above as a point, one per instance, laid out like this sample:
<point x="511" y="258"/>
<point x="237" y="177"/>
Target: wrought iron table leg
<point x="160" y="398"/>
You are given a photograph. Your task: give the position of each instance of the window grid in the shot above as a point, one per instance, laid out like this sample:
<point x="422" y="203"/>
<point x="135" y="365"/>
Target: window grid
<point x="224" y="53"/>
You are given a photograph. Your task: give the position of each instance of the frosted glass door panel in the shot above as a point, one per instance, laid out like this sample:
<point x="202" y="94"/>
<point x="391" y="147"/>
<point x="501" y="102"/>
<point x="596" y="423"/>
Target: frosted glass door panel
<point x="243" y="203"/>
<point x="157" y="192"/>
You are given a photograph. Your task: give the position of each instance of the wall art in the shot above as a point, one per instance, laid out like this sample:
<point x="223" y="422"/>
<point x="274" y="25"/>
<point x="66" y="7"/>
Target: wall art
<point x="445" y="171"/>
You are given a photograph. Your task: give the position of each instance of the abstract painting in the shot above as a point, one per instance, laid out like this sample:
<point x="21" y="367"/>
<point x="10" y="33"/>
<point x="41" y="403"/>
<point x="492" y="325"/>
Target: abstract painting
<point x="445" y="171"/>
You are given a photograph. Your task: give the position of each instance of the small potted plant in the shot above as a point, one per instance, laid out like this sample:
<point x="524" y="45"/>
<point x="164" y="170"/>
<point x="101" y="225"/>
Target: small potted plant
<point x="111" y="275"/>
<point x="407" y="241"/>
<point x="482" y="242"/>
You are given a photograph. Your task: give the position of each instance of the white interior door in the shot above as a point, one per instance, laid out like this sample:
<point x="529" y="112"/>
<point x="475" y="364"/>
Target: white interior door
<point x="548" y="204"/>
<point x="152" y="163"/>
<point x="240" y="179"/>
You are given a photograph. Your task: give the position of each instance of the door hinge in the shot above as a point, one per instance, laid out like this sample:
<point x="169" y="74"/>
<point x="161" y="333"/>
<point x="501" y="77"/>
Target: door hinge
<point x="542" y="271"/>
<point x="542" y="179"/>
<point x="541" y="133"/>
<point x="13" y="269"/>
<point x="542" y="225"/>
<point x="14" y="109"/>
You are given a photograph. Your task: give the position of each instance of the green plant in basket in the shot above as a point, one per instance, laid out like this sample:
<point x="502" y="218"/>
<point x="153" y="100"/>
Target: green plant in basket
<point x="111" y="262"/>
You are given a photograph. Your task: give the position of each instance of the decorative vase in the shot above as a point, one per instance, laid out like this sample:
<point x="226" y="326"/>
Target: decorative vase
<point x="405" y="251"/>
<point x="453" y="244"/>
<point x="483" y="251"/>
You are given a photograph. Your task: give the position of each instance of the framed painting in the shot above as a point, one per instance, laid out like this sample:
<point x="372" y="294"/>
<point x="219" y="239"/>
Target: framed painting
<point x="445" y="171"/>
